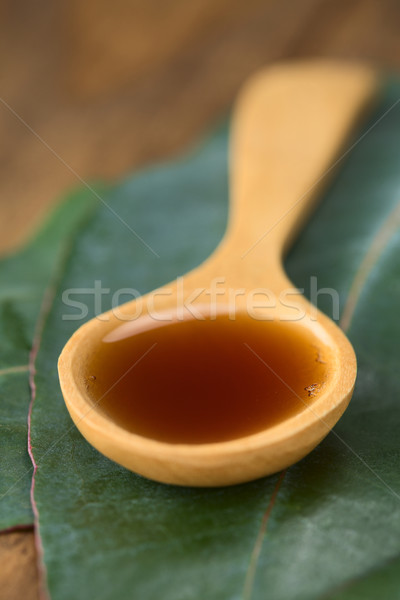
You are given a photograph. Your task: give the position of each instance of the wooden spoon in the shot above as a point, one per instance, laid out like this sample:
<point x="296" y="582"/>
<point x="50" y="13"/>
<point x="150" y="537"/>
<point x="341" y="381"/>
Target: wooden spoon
<point x="290" y="124"/>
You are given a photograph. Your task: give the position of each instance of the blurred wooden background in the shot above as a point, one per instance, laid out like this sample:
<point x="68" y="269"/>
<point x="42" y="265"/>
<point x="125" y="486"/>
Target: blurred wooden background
<point x="110" y="86"/>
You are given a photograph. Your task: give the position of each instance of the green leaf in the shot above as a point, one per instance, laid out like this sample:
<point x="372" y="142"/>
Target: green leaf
<point x="25" y="280"/>
<point x="326" y="527"/>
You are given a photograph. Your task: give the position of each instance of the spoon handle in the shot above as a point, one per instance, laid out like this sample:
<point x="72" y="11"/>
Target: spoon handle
<point x="290" y="126"/>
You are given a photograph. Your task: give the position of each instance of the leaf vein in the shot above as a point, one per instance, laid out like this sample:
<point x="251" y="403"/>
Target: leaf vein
<point x="251" y="571"/>
<point x="16" y="369"/>
<point x="379" y="242"/>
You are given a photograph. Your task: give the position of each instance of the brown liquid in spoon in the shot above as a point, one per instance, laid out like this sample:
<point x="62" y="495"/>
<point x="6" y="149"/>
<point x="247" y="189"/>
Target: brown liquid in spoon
<point x="205" y="381"/>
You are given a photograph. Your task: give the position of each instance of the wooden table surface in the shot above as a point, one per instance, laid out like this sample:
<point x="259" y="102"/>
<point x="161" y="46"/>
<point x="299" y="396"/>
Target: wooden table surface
<point x="94" y="90"/>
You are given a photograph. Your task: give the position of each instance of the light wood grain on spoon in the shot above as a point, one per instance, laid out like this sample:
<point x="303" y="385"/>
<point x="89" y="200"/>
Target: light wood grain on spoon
<point x="290" y="124"/>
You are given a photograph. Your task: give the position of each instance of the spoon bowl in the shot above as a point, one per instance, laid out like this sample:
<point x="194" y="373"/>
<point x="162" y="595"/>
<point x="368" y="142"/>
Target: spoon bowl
<point x="233" y="373"/>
